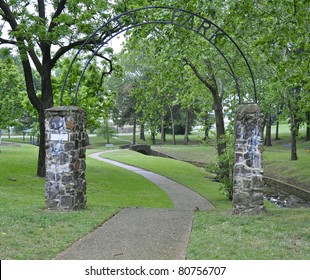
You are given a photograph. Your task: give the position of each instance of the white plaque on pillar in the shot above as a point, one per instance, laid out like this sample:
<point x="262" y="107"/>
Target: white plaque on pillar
<point x="59" y="137"/>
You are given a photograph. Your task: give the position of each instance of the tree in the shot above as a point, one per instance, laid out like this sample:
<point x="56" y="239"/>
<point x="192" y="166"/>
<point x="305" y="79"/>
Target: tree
<point x="209" y="80"/>
<point x="11" y="87"/>
<point x="93" y="95"/>
<point x="123" y="83"/>
<point x="43" y="33"/>
<point x="278" y="32"/>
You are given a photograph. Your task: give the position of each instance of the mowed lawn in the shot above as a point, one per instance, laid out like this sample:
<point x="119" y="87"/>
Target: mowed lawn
<point x="216" y="234"/>
<point x="29" y="231"/>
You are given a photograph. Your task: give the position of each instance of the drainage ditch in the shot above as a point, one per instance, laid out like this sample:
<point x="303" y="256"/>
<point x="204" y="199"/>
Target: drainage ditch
<point x="283" y="199"/>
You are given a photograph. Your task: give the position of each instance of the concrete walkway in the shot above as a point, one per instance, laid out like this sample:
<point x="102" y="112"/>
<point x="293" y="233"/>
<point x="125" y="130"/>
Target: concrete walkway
<point x="143" y="233"/>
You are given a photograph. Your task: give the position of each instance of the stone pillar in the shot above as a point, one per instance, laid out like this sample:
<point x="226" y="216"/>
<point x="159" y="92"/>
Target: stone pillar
<point x="248" y="168"/>
<point x="66" y="140"/>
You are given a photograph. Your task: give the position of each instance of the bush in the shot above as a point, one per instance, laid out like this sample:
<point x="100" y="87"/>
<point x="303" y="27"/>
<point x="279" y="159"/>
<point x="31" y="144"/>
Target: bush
<point x="224" y="166"/>
<point x="223" y="169"/>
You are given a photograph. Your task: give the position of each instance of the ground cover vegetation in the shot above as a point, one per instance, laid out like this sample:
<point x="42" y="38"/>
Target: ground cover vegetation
<point x="277" y="163"/>
<point x="281" y="234"/>
<point x="181" y="172"/>
<point x="217" y="234"/>
<point x="27" y="231"/>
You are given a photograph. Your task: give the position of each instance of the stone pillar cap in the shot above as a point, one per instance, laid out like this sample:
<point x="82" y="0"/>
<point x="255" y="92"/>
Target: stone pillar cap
<point x="64" y="108"/>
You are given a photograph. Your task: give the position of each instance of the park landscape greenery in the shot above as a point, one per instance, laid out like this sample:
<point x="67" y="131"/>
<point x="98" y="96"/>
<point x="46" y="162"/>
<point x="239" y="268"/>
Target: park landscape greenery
<point x="29" y="231"/>
<point x="168" y="75"/>
<point x="166" y="80"/>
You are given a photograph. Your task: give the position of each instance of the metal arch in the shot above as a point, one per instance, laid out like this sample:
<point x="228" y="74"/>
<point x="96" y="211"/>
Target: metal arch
<point x="179" y="17"/>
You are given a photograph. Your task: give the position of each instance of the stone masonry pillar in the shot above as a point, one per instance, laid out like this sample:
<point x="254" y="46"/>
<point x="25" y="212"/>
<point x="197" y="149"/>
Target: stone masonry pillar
<point x="66" y="138"/>
<point x="248" y="168"/>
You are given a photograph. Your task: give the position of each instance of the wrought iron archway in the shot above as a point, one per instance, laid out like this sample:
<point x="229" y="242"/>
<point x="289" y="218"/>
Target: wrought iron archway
<point x="160" y="15"/>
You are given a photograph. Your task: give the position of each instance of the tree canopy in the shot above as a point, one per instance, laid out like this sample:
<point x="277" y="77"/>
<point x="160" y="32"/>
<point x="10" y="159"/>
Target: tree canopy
<point x="168" y="68"/>
<point x="43" y="33"/>
<point x="11" y="87"/>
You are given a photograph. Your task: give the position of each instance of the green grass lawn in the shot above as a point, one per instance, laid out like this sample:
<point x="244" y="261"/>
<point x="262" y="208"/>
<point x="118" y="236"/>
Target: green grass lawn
<point x="277" y="163"/>
<point x="281" y="234"/>
<point x="198" y="153"/>
<point x="216" y="234"/>
<point x="184" y="173"/>
<point x="28" y="231"/>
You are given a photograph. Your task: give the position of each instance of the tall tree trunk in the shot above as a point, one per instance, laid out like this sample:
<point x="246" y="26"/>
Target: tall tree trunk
<point x="207" y="129"/>
<point x="41" y="170"/>
<point x="185" y="140"/>
<point x="277" y="124"/>
<point x="293" y="137"/>
<point x="162" y="128"/>
<point x="308" y="127"/>
<point x="277" y="130"/>
<point x="220" y="137"/>
<point x="211" y="84"/>
<point x="268" y="130"/>
<point x="220" y="126"/>
<point x="46" y="102"/>
<point x="172" y="126"/>
<point x="153" y="138"/>
<point x="142" y="134"/>
<point x="134" y="130"/>
<point x="38" y="105"/>
<point x="206" y="137"/>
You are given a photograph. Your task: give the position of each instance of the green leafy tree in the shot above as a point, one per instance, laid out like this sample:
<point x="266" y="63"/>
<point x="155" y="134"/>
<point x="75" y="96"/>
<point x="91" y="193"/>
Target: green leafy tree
<point x="43" y="32"/>
<point x="167" y="46"/>
<point x="93" y="95"/>
<point x="106" y="131"/>
<point x="276" y="34"/>
<point x="123" y="83"/>
<point x="11" y="87"/>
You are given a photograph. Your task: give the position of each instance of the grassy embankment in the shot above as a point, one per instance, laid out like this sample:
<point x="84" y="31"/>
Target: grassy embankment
<point x="280" y="234"/>
<point x="277" y="163"/>
<point x="216" y="234"/>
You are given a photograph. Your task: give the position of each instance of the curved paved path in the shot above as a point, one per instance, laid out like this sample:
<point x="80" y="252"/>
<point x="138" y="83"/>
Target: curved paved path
<point x="143" y="233"/>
